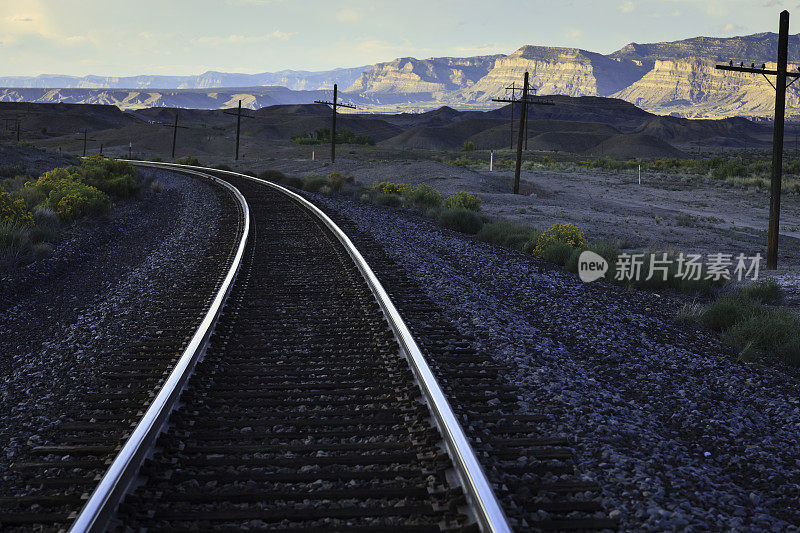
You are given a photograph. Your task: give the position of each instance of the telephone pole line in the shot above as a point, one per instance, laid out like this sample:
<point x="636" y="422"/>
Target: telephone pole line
<point x="238" y="125"/>
<point x="524" y="102"/>
<point x="334" y="104"/>
<point x="780" y="87"/>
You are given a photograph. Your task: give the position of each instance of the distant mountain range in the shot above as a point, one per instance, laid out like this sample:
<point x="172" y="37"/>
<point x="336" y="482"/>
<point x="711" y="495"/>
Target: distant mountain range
<point x="676" y="78"/>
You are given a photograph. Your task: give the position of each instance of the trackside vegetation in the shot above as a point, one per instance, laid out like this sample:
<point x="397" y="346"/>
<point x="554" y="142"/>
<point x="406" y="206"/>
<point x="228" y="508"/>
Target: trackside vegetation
<point x="33" y="211"/>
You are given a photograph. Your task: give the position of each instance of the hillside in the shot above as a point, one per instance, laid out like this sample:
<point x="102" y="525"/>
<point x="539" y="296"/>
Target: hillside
<point x="669" y="78"/>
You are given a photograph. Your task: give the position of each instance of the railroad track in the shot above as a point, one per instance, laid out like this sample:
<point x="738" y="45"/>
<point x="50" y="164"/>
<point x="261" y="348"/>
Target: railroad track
<point x="312" y="408"/>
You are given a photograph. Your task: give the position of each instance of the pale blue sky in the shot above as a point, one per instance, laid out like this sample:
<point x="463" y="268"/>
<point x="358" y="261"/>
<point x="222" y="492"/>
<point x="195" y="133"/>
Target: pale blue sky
<point x="107" y="37"/>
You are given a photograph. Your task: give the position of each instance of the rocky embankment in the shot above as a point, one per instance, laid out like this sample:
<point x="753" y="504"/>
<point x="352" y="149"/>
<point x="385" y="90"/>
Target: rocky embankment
<point x="679" y="435"/>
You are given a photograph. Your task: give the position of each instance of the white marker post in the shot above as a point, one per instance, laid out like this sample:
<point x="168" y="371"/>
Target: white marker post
<point x="491" y="160"/>
<point x="640" y="174"/>
<point x="312" y="153"/>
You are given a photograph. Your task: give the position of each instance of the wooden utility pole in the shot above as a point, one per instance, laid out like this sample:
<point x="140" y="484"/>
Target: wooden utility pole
<point x="175" y="128"/>
<point x="780" y="86"/>
<point x="238" y="124"/>
<point x="334" y="105"/>
<point x="524" y="102"/>
<point x="86" y="139"/>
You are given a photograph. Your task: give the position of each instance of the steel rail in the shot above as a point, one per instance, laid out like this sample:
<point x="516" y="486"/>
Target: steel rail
<point x="99" y="508"/>
<point x="488" y="512"/>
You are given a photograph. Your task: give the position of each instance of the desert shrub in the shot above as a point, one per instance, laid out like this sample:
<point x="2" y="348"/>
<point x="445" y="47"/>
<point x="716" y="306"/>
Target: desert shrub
<point x="729" y="169"/>
<point x="337" y="180"/>
<point x="14" y="211"/>
<point x="766" y="291"/>
<point x="43" y="233"/>
<point x="272" y="175"/>
<point x="295" y="182"/>
<point x="506" y="234"/>
<point x="188" y="160"/>
<point x="314" y="183"/>
<point x="31" y="194"/>
<point x="726" y="311"/>
<point x="156" y="159"/>
<point x="425" y="196"/>
<point x="392" y="200"/>
<point x="772" y="330"/>
<point x="463" y="200"/>
<point x="468" y="146"/>
<point x="793" y="167"/>
<point x="113" y="177"/>
<point x="565" y="233"/>
<point x="55" y="178"/>
<point x="156" y="186"/>
<point x="74" y="200"/>
<point x="463" y="220"/>
<point x="42" y="249"/>
<point x="223" y="167"/>
<point x="44" y="216"/>
<point x="388" y="187"/>
<point x="432" y="212"/>
<point x="14" y="237"/>
<point x="573" y="261"/>
<point x="9" y="171"/>
<point x="557" y="252"/>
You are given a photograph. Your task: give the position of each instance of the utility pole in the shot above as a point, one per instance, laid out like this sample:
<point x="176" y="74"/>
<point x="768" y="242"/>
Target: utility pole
<point x="238" y="125"/>
<point x="175" y="128"/>
<point x="780" y="87"/>
<point x="85" y="140"/>
<point x="334" y="105"/>
<point x="524" y="102"/>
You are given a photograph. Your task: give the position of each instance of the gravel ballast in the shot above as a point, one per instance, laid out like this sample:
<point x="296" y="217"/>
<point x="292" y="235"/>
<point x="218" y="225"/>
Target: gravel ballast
<point x="70" y="317"/>
<point x="676" y="431"/>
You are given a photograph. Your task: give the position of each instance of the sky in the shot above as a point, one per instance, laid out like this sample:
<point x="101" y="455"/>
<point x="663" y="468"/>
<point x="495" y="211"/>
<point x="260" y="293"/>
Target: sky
<point x="182" y="37"/>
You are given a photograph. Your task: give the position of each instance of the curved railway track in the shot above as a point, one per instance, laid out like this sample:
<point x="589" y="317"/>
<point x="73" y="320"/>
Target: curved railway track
<point x="309" y="407"/>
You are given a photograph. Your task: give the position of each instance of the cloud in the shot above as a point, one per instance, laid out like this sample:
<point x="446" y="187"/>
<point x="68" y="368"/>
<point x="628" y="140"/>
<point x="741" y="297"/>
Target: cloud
<point x="348" y="15"/>
<point x="732" y="28"/>
<point x="573" y="33"/>
<point x="773" y="3"/>
<point x="626" y="7"/>
<point x="276" y="35"/>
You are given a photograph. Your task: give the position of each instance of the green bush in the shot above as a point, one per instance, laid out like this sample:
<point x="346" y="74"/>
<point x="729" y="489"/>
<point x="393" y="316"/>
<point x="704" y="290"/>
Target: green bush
<point x="425" y="196"/>
<point x="766" y="291"/>
<point x="468" y="146"/>
<point x="31" y="195"/>
<point x="463" y="220"/>
<point x="506" y="234"/>
<point x="14" y="211"/>
<point x="463" y="200"/>
<point x="574" y="260"/>
<point x="337" y="180"/>
<point x="14" y="238"/>
<point x="295" y="182"/>
<point x="56" y="178"/>
<point x="188" y="160"/>
<point x="726" y="311"/>
<point x="314" y="183"/>
<point x="392" y="200"/>
<point x="113" y="177"/>
<point x="74" y="200"/>
<point x="43" y="233"/>
<point x="557" y="252"/>
<point x="772" y="330"/>
<point x="565" y="233"/>
<point x="272" y="175"/>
